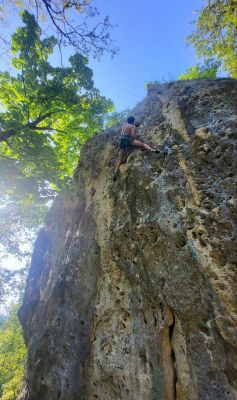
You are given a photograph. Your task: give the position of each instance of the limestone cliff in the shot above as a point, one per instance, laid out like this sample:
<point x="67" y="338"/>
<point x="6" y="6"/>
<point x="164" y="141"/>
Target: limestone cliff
<point x="131" y="293"/>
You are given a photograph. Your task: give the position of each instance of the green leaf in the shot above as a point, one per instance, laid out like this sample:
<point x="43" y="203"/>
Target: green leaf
<point x="215" y="34"/>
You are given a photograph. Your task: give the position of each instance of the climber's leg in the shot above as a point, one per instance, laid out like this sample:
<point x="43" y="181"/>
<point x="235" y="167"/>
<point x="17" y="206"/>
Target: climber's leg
<point x="120" y="162"/>
<point x="143" y="145"/>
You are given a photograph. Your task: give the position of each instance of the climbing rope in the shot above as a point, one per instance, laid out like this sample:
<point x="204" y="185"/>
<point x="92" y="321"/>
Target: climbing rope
<point x="148" y="167"/>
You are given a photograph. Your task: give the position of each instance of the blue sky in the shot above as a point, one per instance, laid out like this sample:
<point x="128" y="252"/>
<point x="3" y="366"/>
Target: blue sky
<point x="151" y="37"/>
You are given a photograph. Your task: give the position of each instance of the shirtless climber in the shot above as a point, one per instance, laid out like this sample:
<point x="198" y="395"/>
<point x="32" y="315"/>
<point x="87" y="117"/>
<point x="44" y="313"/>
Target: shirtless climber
<point x="127" y="140"/>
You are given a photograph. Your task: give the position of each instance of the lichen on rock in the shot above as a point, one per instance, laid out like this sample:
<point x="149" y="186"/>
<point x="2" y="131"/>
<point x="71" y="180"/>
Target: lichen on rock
<point x="132" y="288"/>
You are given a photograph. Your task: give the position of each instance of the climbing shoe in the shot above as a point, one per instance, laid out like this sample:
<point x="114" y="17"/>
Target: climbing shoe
<point x="156" y="151"/>
<point x="115" y="177"/>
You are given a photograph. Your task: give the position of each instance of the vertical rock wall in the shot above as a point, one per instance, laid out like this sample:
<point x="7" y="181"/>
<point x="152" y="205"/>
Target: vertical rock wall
<point x="132" y="289"/>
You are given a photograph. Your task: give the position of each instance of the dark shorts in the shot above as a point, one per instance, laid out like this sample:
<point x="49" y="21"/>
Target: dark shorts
<point x="125" y="142"/>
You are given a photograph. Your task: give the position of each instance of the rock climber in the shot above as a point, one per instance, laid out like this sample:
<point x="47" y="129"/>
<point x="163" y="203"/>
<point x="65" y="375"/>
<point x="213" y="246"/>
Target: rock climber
<point x="127" y="140"/>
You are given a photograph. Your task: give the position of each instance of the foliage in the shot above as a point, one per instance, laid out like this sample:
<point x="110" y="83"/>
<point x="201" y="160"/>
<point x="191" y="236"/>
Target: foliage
<point x="116" y="118"/>
<point x="12" y="354"/>
<point x="207" y="70"/>
<point x="46" y="115"/>
<point x="75" y="23"/>
<point x="215" y="34"/>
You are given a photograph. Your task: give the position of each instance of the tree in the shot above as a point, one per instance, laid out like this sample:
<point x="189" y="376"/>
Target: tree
<point x="70" y="20"/>
<point x="207" y="70"/>
<point x="46" y="115"/>
<point x="215" y="34"/>
<point x="12" y="355"/>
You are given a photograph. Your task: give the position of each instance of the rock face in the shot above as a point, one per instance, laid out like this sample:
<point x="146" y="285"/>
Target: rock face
<point x="132" y="289"/>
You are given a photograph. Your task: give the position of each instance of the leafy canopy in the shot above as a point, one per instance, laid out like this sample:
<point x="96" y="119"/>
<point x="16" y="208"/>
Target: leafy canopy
<point x="46" y="115"/>
<point x="48" y="112"/>
<point x="215" y="34"/>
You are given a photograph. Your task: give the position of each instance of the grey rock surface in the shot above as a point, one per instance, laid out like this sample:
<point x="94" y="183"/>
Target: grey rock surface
<point x="131" y="293"/>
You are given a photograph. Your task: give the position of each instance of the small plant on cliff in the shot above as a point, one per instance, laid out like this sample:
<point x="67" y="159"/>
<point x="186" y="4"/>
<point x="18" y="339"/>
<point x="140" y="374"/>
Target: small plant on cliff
<point x="207" y="70"/>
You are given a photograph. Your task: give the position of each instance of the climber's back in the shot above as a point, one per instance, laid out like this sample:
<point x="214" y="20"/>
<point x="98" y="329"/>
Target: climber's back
<point x="128" y="128"/>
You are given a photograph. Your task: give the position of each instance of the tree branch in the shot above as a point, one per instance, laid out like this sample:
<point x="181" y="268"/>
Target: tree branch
<point x="78" y="35"/>
<point x="4" y="136"/>
<point x="42" y="117"/>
